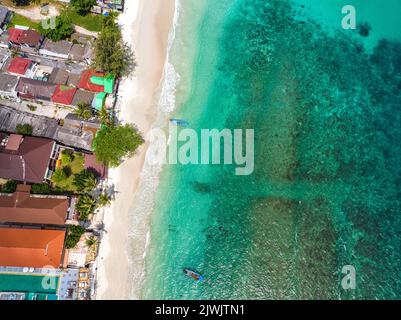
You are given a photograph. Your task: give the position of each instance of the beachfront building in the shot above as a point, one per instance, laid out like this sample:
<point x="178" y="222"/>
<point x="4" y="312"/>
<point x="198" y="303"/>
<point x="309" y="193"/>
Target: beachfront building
<point x="78" y="132"/>
<point x="28" y="247"/>
<point x="99" y="83"/>
<point x="26" y="159"/>
<point x="24" y="208"/>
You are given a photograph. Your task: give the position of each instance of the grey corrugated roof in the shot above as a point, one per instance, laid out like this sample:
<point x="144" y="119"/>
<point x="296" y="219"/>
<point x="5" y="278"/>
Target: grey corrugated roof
<point x="59" y="47"/>
<point x="7" y="82"/>
<point x="3" y="13"/>
<point x="58" y="76"/>
<point x="42" y="126"/>
<point x="35" y="88"/>
<point x="82" y="96"/>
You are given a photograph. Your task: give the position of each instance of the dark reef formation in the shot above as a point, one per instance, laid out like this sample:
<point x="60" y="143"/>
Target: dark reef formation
<point x="326" y="188"/>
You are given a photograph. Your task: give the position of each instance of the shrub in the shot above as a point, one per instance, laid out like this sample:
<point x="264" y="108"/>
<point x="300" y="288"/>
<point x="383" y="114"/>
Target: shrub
<point x="67" y="156"/>
<point x="9" y="187"/>
<point x="59" y="175"/>
<point x="24" y="129"/>
<point x="42" y="188"/>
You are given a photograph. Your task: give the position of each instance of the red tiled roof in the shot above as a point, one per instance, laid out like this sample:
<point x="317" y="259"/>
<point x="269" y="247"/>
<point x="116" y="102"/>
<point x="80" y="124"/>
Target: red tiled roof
<point x="29" y="163"/>
<point x="19" y="65"/>
<point x="14" y="35"/>
<point x="31" y="247"/>
<point x="13" y="142"/>
<point x="64" y="94"/>
<point x="22" y="207"/>
<point x="29" y="37"/>
<point x="85" y="83"/>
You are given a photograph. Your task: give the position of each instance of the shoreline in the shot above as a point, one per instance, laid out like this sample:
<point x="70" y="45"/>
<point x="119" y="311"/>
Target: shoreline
<point x="146" y="26"/>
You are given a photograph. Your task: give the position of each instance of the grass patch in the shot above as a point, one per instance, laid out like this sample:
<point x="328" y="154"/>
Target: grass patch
<point x="23" y="21"/>
<point x="76" y="165"/>
<point x="91" y="22"/>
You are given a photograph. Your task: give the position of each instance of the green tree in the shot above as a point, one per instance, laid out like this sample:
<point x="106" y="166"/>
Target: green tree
<point x="63" y="28"/>
<point x="85" y="181"/>
<point x="112" y="54"/>
<point x="74" y="234"/>
<point x="86" y="205"/>
<point x="83" y="7"/>
<point x="84" y="111"/>
<point x="112" y="144"/>
<point x="24" y="129"/>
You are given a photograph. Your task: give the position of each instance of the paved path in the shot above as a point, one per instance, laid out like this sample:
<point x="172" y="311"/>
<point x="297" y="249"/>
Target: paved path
<point x="35" y="15"/>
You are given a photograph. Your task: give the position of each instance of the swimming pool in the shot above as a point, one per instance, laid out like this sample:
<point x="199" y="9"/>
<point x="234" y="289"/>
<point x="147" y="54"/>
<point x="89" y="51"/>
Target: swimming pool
<point x="40" y="287"/>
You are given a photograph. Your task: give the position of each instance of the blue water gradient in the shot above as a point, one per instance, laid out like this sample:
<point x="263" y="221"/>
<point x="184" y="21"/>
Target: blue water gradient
<point x="326" y="190"/>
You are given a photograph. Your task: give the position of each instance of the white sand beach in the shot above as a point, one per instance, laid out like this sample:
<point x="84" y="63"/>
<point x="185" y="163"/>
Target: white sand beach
<point x="146" y="25"/>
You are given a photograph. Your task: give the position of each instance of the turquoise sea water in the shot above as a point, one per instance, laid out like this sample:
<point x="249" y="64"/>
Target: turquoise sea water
<point x="325" y="107"/>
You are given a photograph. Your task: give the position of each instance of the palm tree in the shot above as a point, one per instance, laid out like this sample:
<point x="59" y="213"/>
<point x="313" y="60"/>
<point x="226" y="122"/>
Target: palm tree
<point x="84" y="111"/>
<point x="104" y="200"/>
<point x="104" y="116"/>
<point x="91" y="241"/>
<point x="86" y="205"/>
<point x="85" y="181"/>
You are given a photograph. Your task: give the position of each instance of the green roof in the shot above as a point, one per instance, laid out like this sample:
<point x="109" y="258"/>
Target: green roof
<point x="107" y="82"/>
<point x="99" y="100"/>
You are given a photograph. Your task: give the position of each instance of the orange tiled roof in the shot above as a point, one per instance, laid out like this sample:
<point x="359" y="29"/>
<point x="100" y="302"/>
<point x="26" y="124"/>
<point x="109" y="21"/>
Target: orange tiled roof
<point x="31" y="247"/>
